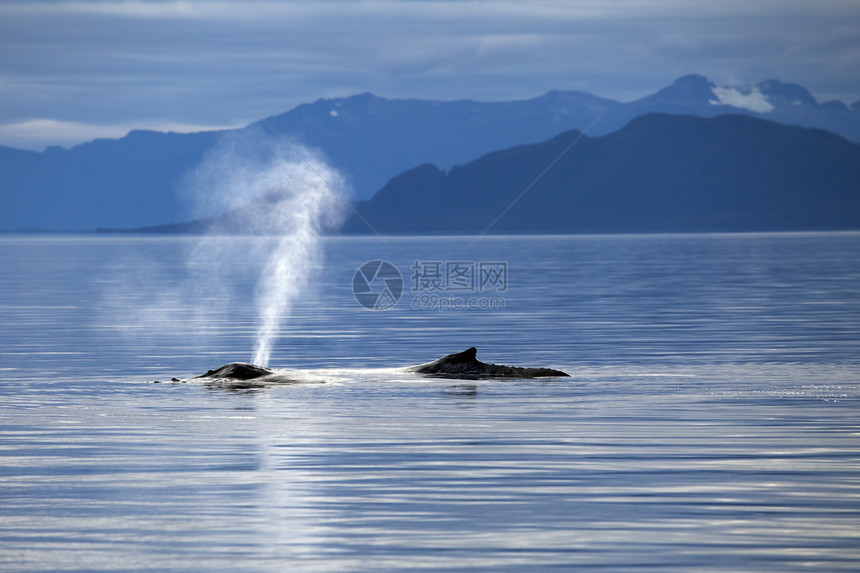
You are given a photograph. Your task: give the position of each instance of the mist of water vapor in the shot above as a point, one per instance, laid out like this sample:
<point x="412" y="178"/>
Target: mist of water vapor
<point x="287" y="195"/>
<point x="265" y="205"/>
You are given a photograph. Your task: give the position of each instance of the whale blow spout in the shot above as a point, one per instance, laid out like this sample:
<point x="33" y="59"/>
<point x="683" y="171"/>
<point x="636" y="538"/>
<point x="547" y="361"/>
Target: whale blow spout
<point x="466" y="365"/>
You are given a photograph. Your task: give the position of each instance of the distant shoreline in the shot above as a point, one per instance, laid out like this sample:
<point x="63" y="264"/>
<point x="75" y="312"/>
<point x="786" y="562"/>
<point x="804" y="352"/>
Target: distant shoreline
<point x="107" y="233"/>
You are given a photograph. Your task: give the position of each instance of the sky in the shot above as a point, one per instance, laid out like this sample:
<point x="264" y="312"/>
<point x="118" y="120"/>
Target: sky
<point x="71" y="71"/>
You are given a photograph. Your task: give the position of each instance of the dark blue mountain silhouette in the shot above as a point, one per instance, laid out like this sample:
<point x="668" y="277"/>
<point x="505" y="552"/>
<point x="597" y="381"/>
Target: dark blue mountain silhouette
<point x="659" y="173"/>
<point x="133" y="181"/>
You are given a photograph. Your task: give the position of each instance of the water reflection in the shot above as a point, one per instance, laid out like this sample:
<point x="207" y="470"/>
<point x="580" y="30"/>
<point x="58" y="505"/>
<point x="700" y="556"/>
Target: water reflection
<point x="463" y="390"/>
<point x="709" y="423"/>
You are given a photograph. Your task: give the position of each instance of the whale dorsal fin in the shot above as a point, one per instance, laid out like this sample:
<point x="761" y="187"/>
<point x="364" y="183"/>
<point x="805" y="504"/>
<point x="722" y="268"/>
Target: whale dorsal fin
<point x="468" y="355"/>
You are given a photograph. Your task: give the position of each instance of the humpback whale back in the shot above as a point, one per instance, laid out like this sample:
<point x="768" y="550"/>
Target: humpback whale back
<point x="466" y="365"/>
<point x="238" y="371"/>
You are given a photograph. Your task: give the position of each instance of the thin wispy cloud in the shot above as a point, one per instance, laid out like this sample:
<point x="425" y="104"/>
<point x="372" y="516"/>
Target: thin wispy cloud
<point x="35" y="132"/>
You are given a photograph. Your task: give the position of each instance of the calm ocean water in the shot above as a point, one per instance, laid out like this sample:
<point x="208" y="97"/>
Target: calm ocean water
<point x="710" y="422"/>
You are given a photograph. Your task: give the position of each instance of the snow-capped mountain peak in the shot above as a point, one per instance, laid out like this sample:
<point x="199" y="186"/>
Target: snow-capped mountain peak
<point x="781" y="93"/>
<point x="749" y="98"/>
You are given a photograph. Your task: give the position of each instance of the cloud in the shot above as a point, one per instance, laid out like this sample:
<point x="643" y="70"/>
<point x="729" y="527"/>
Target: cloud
<point x="209" y="62"/>
<point x="34" y="133"/>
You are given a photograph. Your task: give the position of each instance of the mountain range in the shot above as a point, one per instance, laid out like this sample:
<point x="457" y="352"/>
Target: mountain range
<point x="132" y="182"/>
<point x="660" y="173"/>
